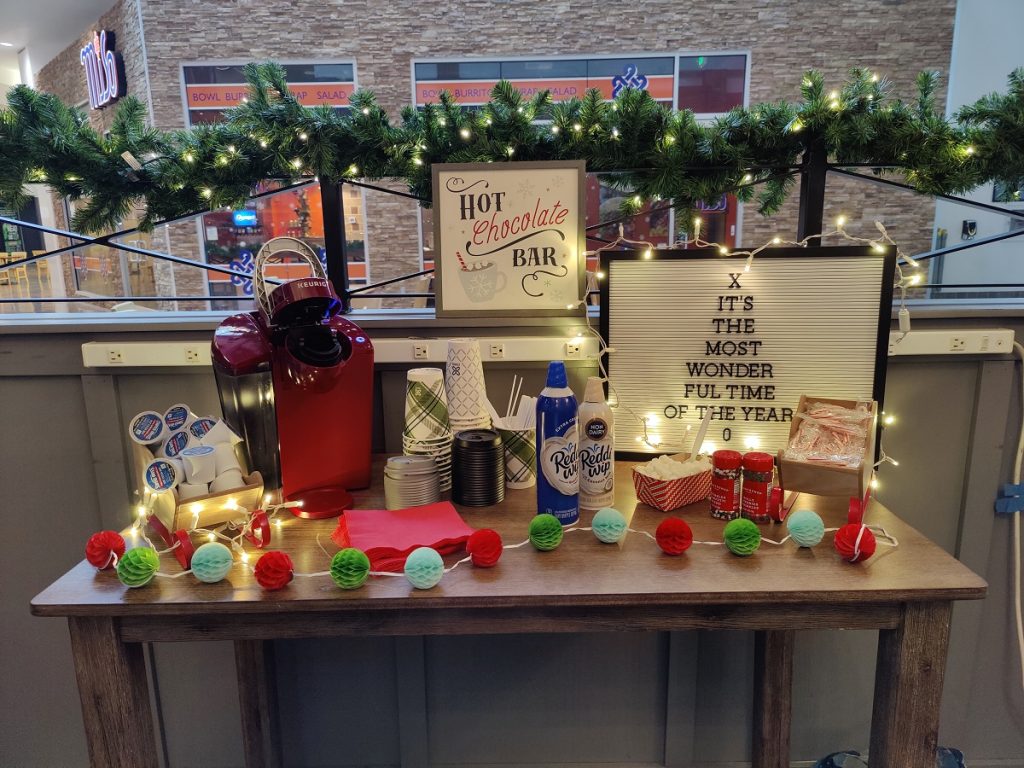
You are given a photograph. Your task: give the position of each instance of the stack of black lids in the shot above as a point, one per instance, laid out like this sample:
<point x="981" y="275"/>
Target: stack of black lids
<point x="478" y="468"/>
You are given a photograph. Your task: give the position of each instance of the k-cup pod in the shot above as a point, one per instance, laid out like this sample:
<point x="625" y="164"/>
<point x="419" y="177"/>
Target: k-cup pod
<point x="188" y="491"/>
<point x="172" y="447"/>
<point x="147" y="428"/>
<point x="220" y="433"/>
<point x="225" y="458"/>
<point x="200" y="427"/>
<point x="200" y="464"/>
<point x="229" y="481"/>
<point x="162" y="475"/>
<point x="178" y="416"/>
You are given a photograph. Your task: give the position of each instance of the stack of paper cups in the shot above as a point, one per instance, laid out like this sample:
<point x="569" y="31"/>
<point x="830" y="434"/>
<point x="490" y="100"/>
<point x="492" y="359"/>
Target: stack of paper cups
<point x="467" y="395"/>
<point x="427" y="430"/>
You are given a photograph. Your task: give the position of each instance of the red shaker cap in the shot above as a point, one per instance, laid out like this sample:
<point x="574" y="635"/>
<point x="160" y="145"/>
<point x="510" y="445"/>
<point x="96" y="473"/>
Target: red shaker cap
<point x="726" y="459"/>
<point x="756" y="461"/>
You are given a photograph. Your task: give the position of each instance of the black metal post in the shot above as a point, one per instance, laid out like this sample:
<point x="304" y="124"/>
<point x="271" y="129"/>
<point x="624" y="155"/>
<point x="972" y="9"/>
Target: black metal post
<point x="812" y="191"/>
<point x="334" y="241"/>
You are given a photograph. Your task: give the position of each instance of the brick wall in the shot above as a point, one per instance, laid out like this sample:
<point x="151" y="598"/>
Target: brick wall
<point x="895" y="37"/>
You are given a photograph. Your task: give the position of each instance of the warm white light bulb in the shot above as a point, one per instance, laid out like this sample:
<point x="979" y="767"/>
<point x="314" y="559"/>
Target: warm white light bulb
<point x="723" y="250"/>
<point x="600" y="275"/>
<point x="776" y="240"/>
<point x="511" y="151"/>
<point x="748" y="177"/>
<point x="647" y="253"/>
<point x="207" y="192"/>
<point x="637" y="199"/>
<point x="577" y="127"/>
<point x="366" y="110"/>
<point x="296" y="163"/>
<point x="211" y="537"/>
<point x="303" y="136"/>
<point x="464" y="133"/>
<point x="263" y="143"/>
<point x="417" y="161"/>
<point x="615" y="133"/>
<point x="840" y="221"/>
<point x="441" y="121"/>
<point x="555" y="129"/>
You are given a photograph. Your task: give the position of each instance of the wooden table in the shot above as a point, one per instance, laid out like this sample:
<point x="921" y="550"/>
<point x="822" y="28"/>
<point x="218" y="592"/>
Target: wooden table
<point x="583" y="586"/>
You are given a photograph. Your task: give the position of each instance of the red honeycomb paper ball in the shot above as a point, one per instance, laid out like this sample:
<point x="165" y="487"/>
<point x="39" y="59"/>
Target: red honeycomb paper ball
<point x="104" y="549"/>
<point x="274" y="570"/>
<point x="847" y="546"/>
<point x="484" y="547"/>
<point x="673" y="536"/>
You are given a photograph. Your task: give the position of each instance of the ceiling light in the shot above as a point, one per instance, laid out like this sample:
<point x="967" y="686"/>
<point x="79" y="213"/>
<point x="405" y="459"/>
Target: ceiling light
<point x="7" y="45"/>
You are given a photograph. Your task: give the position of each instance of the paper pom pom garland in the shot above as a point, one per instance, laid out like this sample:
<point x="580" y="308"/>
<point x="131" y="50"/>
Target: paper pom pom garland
<point x="855" y="542"/>
<point x="104" y="549"/>
<point x="484" y="548"/>
<point x="424" y="568"/>
<point x="274" y="570"/>
<point x="742" y="537"/>
<point x="805" y="528"/>
<point x="609" y="525"/>
<point x="211" y="562"/>
<point x="350" y="568"/>
<point x="545" y="532"/>
<point x="674" y="536"/>
<point x="138" y="567"/>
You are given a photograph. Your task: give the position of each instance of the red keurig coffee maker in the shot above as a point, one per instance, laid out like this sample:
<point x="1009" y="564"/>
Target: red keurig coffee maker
<point x="296" y="381"/>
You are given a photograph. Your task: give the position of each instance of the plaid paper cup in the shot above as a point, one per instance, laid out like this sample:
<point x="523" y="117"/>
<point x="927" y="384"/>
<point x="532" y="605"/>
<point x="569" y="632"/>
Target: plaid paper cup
<point x="668" y="495"/>
<point x="520" y="457"/>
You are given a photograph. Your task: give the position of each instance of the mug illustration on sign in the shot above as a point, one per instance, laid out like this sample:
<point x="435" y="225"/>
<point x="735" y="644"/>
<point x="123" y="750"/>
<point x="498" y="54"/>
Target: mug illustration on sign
<point x="481" y="281"/>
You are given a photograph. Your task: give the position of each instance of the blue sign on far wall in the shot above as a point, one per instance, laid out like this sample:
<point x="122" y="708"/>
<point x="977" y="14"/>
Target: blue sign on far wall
<point x="244" y="218"/>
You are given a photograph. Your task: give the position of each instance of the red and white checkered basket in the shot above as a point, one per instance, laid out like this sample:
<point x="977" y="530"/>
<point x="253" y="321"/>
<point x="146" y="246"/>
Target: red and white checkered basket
<point x="667" y="495"/>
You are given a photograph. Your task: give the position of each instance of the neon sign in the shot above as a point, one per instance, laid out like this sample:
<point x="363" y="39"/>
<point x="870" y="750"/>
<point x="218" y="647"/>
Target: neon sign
<point x="104" y="70"/>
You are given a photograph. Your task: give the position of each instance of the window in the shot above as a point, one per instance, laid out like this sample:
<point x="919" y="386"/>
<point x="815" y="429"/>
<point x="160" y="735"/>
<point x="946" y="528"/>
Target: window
<point x="233" y="238"/>
<point x="708" y="84"/>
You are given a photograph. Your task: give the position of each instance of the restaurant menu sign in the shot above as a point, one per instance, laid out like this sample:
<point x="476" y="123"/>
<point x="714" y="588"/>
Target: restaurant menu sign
<point x="694" y="332"/>
<point x="509" y="238"/>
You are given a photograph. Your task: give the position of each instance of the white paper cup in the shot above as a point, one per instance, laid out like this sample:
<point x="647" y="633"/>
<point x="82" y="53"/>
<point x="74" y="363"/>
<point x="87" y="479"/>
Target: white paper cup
<point x="464" y="380"/>
<point x="147" y="428"/>
<point x="520" y="447"/>
<point x="161" y="475"/>
<point x="229" y="481"/>
<point x="200" y="464"/>
<point x="172" y="447"/>
<point x="188" y="491"/>
<point x="225" y="458"/>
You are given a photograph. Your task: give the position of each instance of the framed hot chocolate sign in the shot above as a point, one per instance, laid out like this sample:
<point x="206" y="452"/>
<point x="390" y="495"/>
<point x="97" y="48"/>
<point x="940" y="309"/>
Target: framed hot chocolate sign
<point x="509" y="238"/>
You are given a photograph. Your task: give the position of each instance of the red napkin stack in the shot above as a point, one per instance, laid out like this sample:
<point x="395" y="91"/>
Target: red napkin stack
<point x="388" y="536"/>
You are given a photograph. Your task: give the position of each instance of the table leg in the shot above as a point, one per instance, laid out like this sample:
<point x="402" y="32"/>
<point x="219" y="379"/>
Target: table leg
<point x="254" y="664"/>
<point x="908" y="687"/>
<point x="114" y="690"/>
<point x="773" y="697"/>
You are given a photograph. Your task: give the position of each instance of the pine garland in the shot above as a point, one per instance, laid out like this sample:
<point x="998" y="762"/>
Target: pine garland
<point x="651" y="151"/>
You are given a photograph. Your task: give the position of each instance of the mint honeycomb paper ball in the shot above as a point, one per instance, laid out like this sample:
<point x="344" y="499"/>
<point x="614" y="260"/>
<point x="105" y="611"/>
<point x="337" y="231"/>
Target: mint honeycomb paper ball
<point x="350" y="568"/>
<point x="211" y="562"/>
<point x="742" y="537"/>
<point x="545" y="532"/>
<point x="424" y="568"/>
<point x="609" y="525"/>
<point x="138" y="567"/>
<point x="806" y="528"/>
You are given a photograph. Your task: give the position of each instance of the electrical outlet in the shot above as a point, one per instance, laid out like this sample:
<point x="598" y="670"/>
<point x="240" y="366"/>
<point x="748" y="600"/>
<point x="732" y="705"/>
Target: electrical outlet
<point x="497" y="351"/>
<point x="958" y="343"/>
<point x="115" y="356"/>
<point x="193" y="354"/>
<point x="421" y="350"/>
<point x="573" y="348"/>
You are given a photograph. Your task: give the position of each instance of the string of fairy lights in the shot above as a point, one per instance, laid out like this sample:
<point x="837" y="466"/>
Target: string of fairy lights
<point x="908" y="275"/>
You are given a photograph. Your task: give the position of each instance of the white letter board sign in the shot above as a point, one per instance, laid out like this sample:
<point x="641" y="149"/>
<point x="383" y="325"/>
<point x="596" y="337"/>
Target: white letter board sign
<point x="692" y="330"/>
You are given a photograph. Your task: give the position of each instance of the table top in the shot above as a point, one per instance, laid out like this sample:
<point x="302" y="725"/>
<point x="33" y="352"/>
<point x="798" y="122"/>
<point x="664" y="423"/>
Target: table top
<point x="581" y="572"/>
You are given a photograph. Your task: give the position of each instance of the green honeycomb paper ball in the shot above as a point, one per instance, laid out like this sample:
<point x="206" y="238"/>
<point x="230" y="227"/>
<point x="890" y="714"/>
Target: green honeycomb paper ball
<point x="609" y="525"/>
<point x="138" y="567"/>
<point x="806" y="528"/>
<point x="545" y="532"/>
<point x="424" y="568"/>
<point x="350" y="568"/>
<point x="742" y="537"/>
<point x="211" y="562"/>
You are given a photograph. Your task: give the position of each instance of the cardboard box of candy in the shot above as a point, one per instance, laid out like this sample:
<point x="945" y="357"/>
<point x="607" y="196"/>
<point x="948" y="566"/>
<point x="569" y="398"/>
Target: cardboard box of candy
<point x="831" y="449"/>
<point x="670" y="482"/>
